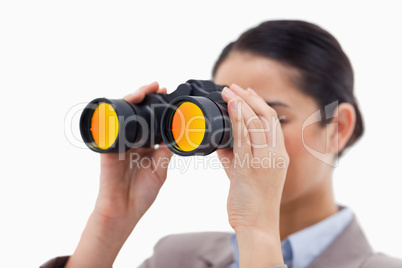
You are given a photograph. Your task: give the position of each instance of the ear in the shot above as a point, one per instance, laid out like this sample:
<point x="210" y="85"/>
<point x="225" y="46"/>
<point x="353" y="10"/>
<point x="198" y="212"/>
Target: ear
<point x="341" y="127"/>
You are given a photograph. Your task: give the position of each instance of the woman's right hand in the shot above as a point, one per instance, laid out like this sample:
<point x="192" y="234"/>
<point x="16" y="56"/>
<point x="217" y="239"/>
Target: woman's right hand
<point x="129" y="185"/>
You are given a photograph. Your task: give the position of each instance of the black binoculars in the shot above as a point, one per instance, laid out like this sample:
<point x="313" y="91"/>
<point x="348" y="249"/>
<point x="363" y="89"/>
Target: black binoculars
<point x="192" y="120"/>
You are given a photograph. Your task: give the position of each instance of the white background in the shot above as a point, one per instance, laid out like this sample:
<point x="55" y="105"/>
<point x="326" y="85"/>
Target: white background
<point x="57" y="54"/>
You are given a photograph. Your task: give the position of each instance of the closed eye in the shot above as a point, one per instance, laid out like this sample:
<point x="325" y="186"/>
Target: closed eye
<point x="282" y="119"/>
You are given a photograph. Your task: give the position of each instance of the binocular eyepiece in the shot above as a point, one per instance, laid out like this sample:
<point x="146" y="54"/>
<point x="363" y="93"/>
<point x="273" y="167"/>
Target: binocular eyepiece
<point x="192" y="120"/>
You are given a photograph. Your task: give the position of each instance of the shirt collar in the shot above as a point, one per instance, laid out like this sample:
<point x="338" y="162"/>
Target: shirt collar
<point x="297" y="249"/>
<point x="307" y="244"/>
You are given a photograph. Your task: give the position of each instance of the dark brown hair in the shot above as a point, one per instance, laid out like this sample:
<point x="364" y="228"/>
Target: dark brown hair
<point x="325" y="71"/>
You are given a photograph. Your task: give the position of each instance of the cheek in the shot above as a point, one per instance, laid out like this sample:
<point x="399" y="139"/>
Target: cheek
<point x="315" y="137"/>
<point x="297" y="145"/>
<point x="294" y="144"/>
<point x="303" y="167"/>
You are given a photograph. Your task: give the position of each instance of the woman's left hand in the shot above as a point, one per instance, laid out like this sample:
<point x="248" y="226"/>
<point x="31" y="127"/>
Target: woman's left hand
<point x="256" y="167"/>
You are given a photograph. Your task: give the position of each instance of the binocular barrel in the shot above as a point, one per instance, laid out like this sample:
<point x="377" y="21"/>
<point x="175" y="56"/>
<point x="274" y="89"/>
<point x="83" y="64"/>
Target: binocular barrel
<point x="192" y="120"/>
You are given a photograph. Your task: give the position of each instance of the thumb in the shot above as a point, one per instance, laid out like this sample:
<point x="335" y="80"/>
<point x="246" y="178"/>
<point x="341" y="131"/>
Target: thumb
<point x="225" y="157"/>
<point x="162" y="157"/>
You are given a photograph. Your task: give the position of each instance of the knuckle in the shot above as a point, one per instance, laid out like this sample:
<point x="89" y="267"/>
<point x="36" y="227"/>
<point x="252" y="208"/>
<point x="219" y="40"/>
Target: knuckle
<point x="248" y="92"/>
<point x="265" y="122"/>
<point x="256" y="123"/>
<point x="272" y="112"/>
<point x="244" y="138"/>
<point x="239" y="100"/>
<point x="283" y="154"/>
<point x="236" y="118"/>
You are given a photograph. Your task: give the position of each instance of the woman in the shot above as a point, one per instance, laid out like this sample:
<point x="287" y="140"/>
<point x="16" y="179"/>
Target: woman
<point x="282" y="213"/>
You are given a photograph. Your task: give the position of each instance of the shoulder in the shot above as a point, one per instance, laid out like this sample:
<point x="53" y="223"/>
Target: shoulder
<point x="382" y="260"/>
<point x="182" y="250"/>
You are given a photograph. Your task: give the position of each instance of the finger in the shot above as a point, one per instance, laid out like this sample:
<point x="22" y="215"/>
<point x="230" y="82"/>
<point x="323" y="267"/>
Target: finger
<point x="225" y="157"/>
<point x="254" y="125"/>
<point x="259" y="105"/>
<point x="162" y="91"/>
<point x="277" y="137"/>
<point x="161" y="157"/>
<point x="267" y="114"/>
<point x="139" y="95"/>
<point x="241" y="139"/>
<point x="163" y="151"/>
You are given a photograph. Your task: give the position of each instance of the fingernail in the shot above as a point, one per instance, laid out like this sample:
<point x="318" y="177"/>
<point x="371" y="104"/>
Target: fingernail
<point x="228" y="92"/>
<point x="252" y="91"/>
<point x="234" y="105"/>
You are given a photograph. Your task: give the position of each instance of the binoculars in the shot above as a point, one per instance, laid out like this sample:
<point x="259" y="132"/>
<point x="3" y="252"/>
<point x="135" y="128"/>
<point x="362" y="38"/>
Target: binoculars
<point x="192" y="120"/>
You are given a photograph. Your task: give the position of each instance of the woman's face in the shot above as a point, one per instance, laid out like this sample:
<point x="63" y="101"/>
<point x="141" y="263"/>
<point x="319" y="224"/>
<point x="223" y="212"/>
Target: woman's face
<point x="272" y="81"/>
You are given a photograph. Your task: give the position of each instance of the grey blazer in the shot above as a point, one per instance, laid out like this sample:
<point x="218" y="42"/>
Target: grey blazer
<point x="200" y="250"/>
<point x="213" y="249"/>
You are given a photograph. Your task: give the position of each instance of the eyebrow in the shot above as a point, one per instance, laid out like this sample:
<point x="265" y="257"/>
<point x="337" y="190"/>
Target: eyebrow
<point x="277" y="103"/>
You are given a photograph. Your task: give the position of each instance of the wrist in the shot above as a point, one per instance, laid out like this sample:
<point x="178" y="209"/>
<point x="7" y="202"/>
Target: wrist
<point x="109" y="233"/>
<point x="259" y="248"/>
<point x="263" y="220"/>
<point x="100" y="242"/>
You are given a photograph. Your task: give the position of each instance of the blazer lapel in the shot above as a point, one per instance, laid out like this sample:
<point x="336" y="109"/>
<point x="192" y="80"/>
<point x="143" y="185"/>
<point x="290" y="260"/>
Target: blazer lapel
<point x="218" y="256"/>
<point x="349" y="250"/>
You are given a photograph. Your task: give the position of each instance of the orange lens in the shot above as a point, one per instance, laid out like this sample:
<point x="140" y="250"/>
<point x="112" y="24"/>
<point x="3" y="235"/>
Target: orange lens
<point x="104" y="125"/>
<point x="188" y="126"/>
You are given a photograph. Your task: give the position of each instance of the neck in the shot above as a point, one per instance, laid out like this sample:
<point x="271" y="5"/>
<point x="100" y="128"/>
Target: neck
<point x="308" y="209"/>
